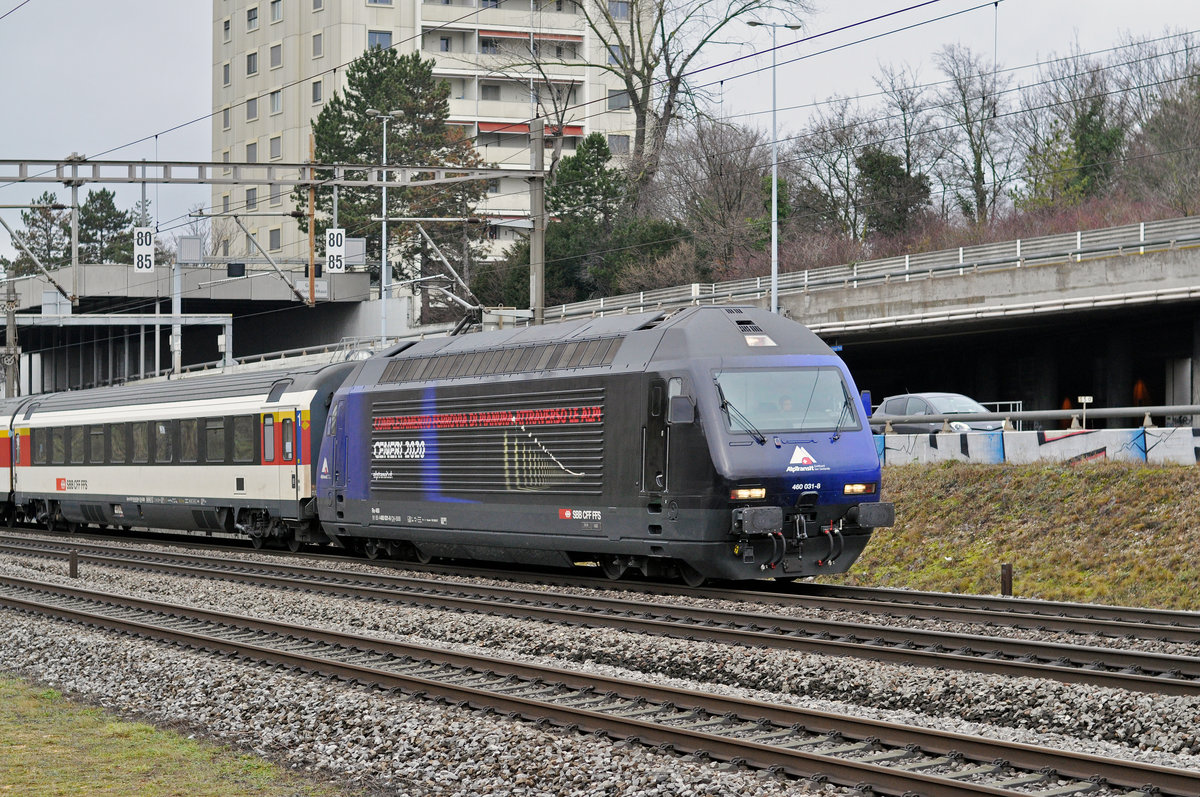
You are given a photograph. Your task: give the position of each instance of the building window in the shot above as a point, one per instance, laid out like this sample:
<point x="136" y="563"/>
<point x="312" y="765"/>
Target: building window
<point x="252" y="18"/>
<point x="252" y="152"/>
<point x="276" y="193"/>
<point x="619" y="9"/>
<point x="224" y="118"/>
<point x="489" y="3"/>
<point x="276" y="10"/>
<point x="225" y="203"/>
<point x="317" y="50"/>
<point x="494" y="186"/>
<point x="618" y="144"/>
<point x="276" y="147"/>
<point x="251" y="63"/>
<point x="379" y="38"/>
<point x="225" y="159"/>
<point x="251" y="199"/>
<point x="618" y="100"/>
<point x="227" y="31"/>
<point x="251" y="109"/>
<point x="491" y="46"/>
<point x="318" y="5"/>
<point x="273" y="239"/>
<point x="316" y="91"/>
<point x="277" y="101"/>
<point x="489" y="91"/>
<point x="614" y="54"/>
<point x="225" y="75"/>
<point x="444" y="44"/>
<point x="379" y="2"/>
<point x="276" y="56"/>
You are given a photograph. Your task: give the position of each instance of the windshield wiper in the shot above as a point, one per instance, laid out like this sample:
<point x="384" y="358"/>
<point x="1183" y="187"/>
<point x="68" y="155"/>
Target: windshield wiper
<point x="733" y="413"/>
<point x="837" y="430"/>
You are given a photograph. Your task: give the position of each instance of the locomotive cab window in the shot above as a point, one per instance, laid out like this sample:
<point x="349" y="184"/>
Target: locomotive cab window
<point x="808" y="399"/>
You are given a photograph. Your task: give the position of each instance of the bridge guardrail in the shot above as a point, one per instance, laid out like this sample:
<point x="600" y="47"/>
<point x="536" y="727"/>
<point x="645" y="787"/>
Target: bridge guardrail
<point x="1143" y="236"/>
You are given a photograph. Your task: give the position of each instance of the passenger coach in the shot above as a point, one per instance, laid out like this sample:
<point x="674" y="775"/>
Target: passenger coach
<point x="225" y="453"/>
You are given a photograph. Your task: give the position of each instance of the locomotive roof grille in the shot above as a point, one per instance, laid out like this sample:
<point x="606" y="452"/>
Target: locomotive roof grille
<point x="508" y="360"/>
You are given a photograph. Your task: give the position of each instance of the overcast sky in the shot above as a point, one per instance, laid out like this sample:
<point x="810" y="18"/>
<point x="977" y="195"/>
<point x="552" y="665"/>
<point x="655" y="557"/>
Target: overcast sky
<point x="90" y="77"/>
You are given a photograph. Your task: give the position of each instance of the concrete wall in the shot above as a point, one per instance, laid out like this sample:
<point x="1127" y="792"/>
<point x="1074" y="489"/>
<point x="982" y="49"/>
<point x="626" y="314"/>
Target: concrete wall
<point x="1159" y="446"/>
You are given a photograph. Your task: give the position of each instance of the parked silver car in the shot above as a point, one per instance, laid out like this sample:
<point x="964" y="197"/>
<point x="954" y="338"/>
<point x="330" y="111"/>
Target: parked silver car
<point x="930" y="404"/>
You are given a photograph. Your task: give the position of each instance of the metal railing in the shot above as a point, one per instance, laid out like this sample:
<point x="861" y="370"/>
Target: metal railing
<point x="1128" y="239"/>
<point x="1077" y="417"/>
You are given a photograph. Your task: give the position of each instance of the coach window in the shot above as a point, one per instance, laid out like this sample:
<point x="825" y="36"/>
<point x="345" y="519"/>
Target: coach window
<point x="268" y="438"/>
<point x="58" y="447"/>
<point x="118" y="435"/>
<point x="76" y="445"/>
<point x="243" y="438"/>
<point x="214" y="439"/>
<point x="41" y="446"/>
<point x="96" y="444"/>
<point x="139" y="442"/>
<point x="189" y="439"/>
<point x="288" y="439"/>
<point x="162" y="442"/>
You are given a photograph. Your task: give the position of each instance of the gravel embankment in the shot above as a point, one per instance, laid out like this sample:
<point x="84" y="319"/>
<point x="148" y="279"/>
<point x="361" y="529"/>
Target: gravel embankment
<point x="417" y="747"/>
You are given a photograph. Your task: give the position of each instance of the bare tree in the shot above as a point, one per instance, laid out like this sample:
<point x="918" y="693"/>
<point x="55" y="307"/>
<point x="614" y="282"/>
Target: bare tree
<point x="911" y="126"/>
<point x="974" y="104"/>
<point x="1164" y="156"/>
<point x="822" y="171"/>
<point x="651" y="46"/>
<point x="715" y="187"/>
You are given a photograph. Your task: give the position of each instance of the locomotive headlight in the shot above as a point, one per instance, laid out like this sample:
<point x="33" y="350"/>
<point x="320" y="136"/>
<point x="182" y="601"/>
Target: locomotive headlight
<point x="748" y="494"/>
<point x="862" y="488"/>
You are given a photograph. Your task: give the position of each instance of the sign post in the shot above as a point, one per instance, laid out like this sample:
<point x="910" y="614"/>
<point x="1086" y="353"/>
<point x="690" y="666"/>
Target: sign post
<point x="335" y="250"/>
<point x="143" y="250"/>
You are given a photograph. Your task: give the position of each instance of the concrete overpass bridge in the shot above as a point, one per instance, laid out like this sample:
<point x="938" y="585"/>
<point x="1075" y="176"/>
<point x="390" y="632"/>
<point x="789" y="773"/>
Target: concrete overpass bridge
<point x="1112" y="313"/>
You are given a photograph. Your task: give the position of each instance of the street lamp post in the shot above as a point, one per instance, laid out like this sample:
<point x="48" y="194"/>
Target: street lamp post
<point x="774" y="168"/>
<point x="385" y="276"/>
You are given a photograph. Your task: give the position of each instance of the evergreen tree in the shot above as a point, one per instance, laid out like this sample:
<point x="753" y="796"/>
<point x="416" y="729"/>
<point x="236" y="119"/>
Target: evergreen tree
<point x="892" y="199"/>
<point x="46" y="234"/>
<point x="418" y="135"/>
<point x="105" y="233"/>
<point x="584" y="184"/>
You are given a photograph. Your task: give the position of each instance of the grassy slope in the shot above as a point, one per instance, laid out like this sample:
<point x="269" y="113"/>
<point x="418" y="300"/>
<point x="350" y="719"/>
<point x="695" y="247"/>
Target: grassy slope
<point x="1105" y="533"/>
<point x="51" y="746"/>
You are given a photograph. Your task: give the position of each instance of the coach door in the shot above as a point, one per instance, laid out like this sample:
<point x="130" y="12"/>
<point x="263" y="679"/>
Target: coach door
<point x="281" y="451"/>
<point x="654" y="439"/>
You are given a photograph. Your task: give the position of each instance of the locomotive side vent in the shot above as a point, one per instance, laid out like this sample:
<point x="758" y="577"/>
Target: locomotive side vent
<point x="748" y="327"/>
<point x="734" y="310"/>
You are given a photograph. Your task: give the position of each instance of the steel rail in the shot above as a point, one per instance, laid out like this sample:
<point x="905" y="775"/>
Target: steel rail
<point x="729" y="710"/>
<point x="1139" y="671"/>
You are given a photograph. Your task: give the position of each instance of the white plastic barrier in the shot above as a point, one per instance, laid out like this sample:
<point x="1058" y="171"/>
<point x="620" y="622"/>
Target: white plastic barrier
<point x="1177" y="445"/>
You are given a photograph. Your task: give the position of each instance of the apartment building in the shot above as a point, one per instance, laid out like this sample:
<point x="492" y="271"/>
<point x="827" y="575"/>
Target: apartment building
<point x="276" y="62"/>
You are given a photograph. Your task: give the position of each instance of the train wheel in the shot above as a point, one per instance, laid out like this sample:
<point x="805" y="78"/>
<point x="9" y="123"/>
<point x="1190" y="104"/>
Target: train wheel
<point x="421" y="557"/>
<point x="294" y="544"/>
<point x="612" y="567"/>
<point x="690" y="575"/>
<point x="372" y="549"/>
<point x="72" y="527"/>
<point x="257" y="541"/>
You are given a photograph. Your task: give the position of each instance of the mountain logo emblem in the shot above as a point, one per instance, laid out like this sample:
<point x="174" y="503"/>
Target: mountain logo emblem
<point x="324" y="467"/>
<point x="801" y="457"/>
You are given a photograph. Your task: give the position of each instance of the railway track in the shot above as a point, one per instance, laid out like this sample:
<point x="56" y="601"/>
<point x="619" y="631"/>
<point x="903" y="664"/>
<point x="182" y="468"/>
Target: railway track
<point x="1108" y="667"/>
<point x="873" y="756"/>
<point x="1083" y="619"/>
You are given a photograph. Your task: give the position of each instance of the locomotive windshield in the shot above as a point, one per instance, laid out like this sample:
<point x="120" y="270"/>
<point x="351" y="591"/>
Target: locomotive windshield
<point x="809" y="399"/>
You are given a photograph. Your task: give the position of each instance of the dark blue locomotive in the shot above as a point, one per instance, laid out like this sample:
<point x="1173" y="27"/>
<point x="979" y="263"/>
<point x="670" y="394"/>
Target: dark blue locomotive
<point x="717" y="442"/>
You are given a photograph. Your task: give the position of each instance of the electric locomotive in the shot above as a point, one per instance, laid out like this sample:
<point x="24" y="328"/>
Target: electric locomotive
<point x="715" y="442"/>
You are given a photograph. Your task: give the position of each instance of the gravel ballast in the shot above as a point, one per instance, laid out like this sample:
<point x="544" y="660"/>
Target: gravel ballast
<point x="410" y="746"/>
